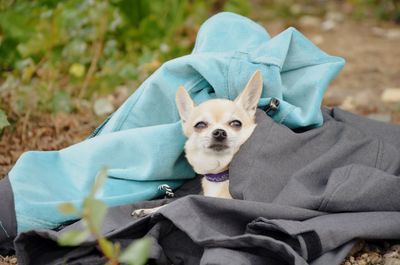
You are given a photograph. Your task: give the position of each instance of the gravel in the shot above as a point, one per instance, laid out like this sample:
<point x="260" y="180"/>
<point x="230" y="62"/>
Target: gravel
<point x="374" y="253"/>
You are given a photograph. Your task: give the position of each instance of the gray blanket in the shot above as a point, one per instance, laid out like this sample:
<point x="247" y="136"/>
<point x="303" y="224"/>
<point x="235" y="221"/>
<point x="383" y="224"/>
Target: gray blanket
<point x="301" y="197"/>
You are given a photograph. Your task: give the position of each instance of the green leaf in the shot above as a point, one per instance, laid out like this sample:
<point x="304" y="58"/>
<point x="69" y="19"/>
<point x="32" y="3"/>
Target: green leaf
<point x="136" y="253"/>
<point x="95" y="211"/>
<point x="3" y="120"/>
<point x="107" y="247"/>
<point x="72" y="238"/>
<point x="67" y="208"/>
<point x="78" y="70"/>
<point x="62" y="102"/>
<point x="99" y="180"/>
<point x="128" y="72"/>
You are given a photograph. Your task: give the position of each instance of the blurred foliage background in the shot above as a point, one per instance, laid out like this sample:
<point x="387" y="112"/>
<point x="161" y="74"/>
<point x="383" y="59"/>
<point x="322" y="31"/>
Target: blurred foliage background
<point x="59" y="56"/>
<point x="56" y="56"/>
<point x="80" y="56"/>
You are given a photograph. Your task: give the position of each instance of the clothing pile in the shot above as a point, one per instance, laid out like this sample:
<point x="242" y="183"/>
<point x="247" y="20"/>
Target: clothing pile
<point x="307" y="184"/>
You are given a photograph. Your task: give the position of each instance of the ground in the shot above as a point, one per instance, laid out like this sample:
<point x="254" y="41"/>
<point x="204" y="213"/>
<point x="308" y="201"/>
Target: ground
<point x="372" y="62"/>
<point x="370" y="48"/>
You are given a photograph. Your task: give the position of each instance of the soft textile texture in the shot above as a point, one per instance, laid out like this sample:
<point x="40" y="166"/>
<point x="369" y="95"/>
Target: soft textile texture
<point x="142" y="143"/>
<point x="8" y="224"/>
<point x="301" y="198"/>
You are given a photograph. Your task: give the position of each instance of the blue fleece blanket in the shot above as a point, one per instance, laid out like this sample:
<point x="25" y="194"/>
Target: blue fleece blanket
<point x="142" y="143"/>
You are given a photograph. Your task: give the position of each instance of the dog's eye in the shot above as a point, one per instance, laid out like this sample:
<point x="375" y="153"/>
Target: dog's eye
<point x="235" y="124"/>
<point x="200" y="125"/>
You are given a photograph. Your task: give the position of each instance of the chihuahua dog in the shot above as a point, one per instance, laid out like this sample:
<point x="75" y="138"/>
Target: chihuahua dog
<point x="215" y="130"/>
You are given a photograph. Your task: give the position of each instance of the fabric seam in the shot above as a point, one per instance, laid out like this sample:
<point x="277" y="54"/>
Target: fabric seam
<point x="228" y="74"/>
<point x="5" y="231"/>
<point x="382" y="151"/>
<point x="345" y="175"/>
<point x="121" y="121"/>
<point x="378" y="153"/>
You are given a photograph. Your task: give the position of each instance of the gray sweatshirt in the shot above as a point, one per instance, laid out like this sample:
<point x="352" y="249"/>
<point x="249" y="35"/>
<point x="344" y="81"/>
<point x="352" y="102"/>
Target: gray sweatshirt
<point x="301" y="197"/>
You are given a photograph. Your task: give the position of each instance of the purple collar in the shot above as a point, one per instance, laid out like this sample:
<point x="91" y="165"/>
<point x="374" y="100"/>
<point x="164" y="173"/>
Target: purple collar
<point x="219" y="177"/>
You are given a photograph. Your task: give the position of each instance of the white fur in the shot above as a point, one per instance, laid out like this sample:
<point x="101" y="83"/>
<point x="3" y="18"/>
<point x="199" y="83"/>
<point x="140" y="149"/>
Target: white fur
<point x="213" y="189"/>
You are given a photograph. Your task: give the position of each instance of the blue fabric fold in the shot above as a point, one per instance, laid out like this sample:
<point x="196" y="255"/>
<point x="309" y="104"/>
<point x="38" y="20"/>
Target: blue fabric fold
<point x="142" y="143"/>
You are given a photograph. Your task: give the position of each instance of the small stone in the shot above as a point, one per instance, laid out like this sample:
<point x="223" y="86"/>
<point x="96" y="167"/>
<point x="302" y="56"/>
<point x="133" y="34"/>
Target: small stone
<point x="367" y="100"/>
<point x="378" y="31"/>
<point x="391" y="261"/>
<point x="103" y="106"/>
<point x="392" y="257"/>
<point x="393" y="34"/>
<point x="375" y="258"/>
<point x="120" y="94"/>
<point x="334" y="97"/>
<point x="391" y="95"/>
<point x="296" y="9"/>
<point x="164" y="48"/>
<point x="328" y="25"/>
<point x="317" y="39"/>
<point x="362" y="262"/>
<point x="352" y="259"/>
<point x="348" y="104"/>
<point x="335" y="16"/>
<point x="395" y="248"/>
<point x="390" y="34"/>
<point x="309" y="21"/>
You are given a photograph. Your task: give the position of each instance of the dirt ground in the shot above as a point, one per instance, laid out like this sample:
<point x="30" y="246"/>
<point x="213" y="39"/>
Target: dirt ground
<point x="372" y="53"/>
<point x="371" y="49"/>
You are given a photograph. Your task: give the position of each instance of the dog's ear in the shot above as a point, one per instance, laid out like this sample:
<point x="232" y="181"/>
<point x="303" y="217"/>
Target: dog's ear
<point x="251" y="94"/>
<point x="184" y="103"/>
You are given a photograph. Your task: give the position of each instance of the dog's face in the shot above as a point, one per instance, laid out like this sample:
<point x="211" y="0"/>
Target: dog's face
<point x="217" y="128"/>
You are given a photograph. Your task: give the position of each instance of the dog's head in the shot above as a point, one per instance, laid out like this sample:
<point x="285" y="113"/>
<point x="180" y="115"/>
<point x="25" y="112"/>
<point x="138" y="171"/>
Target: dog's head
<point x="217" y="128"/>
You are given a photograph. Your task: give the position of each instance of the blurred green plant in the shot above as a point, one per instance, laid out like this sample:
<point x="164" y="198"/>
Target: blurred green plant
<point x="57" y="54"/>
<point x="3" y="120"/>
<point x="291" y="10"/>
<point x="92" y="213"/>
<point x="381" y="9"/>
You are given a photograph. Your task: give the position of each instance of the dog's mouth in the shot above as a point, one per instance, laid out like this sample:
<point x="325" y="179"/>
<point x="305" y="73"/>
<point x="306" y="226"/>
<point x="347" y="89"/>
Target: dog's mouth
<point x="218" y="147"/>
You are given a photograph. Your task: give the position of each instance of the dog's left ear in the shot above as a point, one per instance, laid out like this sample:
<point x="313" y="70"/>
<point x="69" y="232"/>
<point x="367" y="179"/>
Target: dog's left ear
<point x="251" y="94"/>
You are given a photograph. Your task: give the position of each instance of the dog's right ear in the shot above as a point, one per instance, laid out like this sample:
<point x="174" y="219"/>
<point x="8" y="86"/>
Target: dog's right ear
<point x="251" y="94"/>
<point x="184" y="103"/>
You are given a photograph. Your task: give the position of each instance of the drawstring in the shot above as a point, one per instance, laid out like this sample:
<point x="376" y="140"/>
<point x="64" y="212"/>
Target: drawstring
<point x="169" y="193"/>
<point x="5" y="231"/>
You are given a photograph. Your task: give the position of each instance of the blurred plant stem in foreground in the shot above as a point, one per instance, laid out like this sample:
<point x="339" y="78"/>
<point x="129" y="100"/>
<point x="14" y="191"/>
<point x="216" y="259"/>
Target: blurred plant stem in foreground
<point x="93" y="213"/>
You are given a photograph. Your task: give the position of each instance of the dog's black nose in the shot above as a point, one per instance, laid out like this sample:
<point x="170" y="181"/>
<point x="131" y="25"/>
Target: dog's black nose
<point x="219" y="135"/>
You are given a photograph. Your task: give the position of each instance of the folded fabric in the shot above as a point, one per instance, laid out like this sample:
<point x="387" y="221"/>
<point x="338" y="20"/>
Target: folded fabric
<point x="142" y="143"/>
<point x="301" y="198"/>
